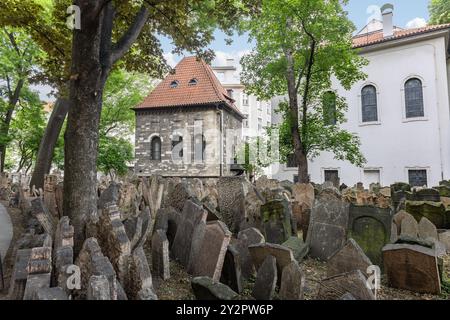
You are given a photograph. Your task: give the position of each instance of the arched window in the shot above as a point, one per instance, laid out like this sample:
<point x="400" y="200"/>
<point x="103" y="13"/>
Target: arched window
<point x="199" y="148"/>
<point x="414" y="98"/>
<point x="177" y="147"/>
<point x="155" y="149"/>
<point x="329" y="108"/>
<point x="369" y="104"/>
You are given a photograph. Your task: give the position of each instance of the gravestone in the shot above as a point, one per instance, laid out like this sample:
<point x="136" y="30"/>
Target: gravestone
<point x="426" y="195"/>
<point x="427" y="229"/>
<point x="43" y="215"/>
<point x="444" y="237"/>
<point x="232" y="192"/>
<point x="351" y="257"/>
<point x="444" y="191"/>
<point x="399" y="192"/>
<point x="205" y="288"/>
<point x="276" y="219"/>
<point x="231" y="270"/>
<point x="266" y="279"/>
<point x="298" y="247"/>
<point x="328" y="224"/>
<point x="433" y="211"/>
<point x="354" y="283"/>
<point x="160" y="255"/>
<point x="193" y="214"/>
<point x="283" y="255"/>
<point x="397" y="219"/>
<point x="409" y="227"/>
<point x="208" y="258"/>
<point x="173" y="221"/>
<point x="179" y="195"/>
<point x="370" y="227"/>
<point x="19" y="274"/>
<point x="246" y="238"/>
<point x="292" y="282"/>
<point x="34" y="283"/>
<point x="98" y="288"/>
<point x="52" y="294"/>
<point x="412" y="267"/>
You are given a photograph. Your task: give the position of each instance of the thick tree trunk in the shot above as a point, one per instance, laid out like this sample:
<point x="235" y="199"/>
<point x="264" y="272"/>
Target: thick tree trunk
<point x="48" y="143"/>
<point x="81" y="136"/>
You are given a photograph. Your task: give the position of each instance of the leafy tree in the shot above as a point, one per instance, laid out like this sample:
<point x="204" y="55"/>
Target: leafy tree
<point x="301" y="47"/>
<point x="439" y="11"/>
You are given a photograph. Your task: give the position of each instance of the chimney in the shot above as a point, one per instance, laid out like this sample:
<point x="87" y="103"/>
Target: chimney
<point x="388" y="27"/>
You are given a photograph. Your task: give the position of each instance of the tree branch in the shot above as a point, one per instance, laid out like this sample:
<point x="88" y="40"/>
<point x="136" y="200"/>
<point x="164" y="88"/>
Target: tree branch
<point x="127" y="40"/>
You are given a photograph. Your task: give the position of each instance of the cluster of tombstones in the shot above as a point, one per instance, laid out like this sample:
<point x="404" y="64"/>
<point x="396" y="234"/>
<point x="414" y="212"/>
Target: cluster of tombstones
<point x="229" y="233"/>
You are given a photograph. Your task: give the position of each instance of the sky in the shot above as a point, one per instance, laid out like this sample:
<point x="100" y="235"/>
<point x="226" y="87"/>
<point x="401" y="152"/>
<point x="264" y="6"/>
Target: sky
<point x="407" y="14"/>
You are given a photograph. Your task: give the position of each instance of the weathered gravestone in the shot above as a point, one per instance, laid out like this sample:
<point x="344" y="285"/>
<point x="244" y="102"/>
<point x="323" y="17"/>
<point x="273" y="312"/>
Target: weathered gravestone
<point x="354" y="283"/>
<point x="246" y="238"/>
<point x="370" y="227"/>
<point x="160" y="255"/>
<point x="282" y="254"/>
<point x="433" y="211"/>
<point x="298" y="247"/>
<point x="427" y="229"/>
<point x="426" y="195"/>
<point x="208" y="250"/>
<point x="179" y="195"/>
<point x="399" y="192"/>
<point x="52" y="294"/>
<point x="43" y="215"/>
<point x="50" y="182"/>
<point x="444" y="191"/>
<point x="276" y="219"/>
<point x="19" y="274"/>
<point x="231" y="270"/>
<point x="232" y="191"/>
<point x="206" y="289"/>
<point x="444" y="237"/>
<point x="412" y="267"/>
<point x="193" y="214"/>
<point x="139" y="278"/>
<point x="292" y="282"/>
<point x="98" y="288"/>
<point x="328" y="225"/>
<point x="351" y="257"/>
<point x="34" y="283"/>
<point x="409" y="227"/>
<point x="109" y="196"/>
<point x="266" y="279"/>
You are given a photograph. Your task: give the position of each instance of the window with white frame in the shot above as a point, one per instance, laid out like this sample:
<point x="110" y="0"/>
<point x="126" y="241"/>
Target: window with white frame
<point x="417" y="177"/>
<point x="369" y="104"/>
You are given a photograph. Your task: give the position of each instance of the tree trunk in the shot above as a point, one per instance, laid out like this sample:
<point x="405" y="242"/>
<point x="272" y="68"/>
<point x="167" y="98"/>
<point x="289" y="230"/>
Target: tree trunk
<point x="48" y="143"/>
<point x="81" y="136"/>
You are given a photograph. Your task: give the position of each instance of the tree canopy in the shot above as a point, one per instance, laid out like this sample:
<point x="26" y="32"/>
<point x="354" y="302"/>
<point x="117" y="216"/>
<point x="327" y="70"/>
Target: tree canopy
<point x="439" y="11"/>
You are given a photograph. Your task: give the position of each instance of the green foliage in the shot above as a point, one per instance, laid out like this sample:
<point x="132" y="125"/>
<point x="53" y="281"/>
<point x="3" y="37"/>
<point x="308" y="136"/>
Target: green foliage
<point x="256" y="155"/>
<point x="26" y="131"/>
<point x="439" y="11"/>
<point x="114" y="155"/>
<point x="303" y="48"/>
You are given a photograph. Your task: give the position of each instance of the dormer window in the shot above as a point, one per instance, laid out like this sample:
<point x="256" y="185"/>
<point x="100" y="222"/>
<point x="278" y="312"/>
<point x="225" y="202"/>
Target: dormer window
<point x="193" y="82"/>
<point x="174" y="84"/>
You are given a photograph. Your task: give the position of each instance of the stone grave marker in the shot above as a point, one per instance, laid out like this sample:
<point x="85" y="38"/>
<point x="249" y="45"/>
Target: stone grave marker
<point x="351" y="257"/>
<point x="276" y="219"/>
<point x="160" y="255"/>
<point x="246" y="238"/>
<point x="354" y="283"/>
<point x="292" y="282"/>
<point x="427" y="229"/>
<point x="206" y="289"/>
<point x="266" y="279"/>
<point x="231" y="270"/>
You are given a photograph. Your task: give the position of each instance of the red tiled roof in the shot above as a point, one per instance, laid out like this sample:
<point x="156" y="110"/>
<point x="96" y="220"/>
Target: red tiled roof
<point x="208" y="89"/>
<point x="377" y="36"/>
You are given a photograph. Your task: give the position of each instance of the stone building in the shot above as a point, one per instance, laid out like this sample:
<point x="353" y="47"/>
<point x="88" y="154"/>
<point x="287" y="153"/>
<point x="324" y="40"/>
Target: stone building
<point x="188" y="126"/>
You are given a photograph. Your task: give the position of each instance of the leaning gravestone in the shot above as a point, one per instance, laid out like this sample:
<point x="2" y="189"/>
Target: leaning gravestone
<point x="354" y="283"/>
<point x="351" y="257"/>
<point x="266" y="279"/>
<point x="205" y="288"/>
<point x="328" y="224"/>
<point x="276" y="219"/>
<point x="232" y="192"/>
<point x="426" y="195"/>
<point x="246" y="238"/>
<point x="298" y="247"/>
<point x="193" y="214"/>
<point x="370" y="227"/>
<point x="43" y="215"/>
<point x="208" y="260"/>
<point x="292" y="282"/>
<point x="412" y="267"/>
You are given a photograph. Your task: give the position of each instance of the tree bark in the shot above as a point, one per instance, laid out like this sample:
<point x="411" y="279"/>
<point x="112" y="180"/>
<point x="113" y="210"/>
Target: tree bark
<point x="48" y="143"/>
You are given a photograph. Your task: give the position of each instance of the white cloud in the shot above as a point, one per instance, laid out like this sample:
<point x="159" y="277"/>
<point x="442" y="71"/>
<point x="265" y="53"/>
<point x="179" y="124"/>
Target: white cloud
<point x="171" y="59"/>
<point x="221" y="58"/>
<point x="416" y="23"/>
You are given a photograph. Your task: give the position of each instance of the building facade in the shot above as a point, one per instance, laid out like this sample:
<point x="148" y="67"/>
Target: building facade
<point x="188" y="126"/>
<point x="400" y="112"/>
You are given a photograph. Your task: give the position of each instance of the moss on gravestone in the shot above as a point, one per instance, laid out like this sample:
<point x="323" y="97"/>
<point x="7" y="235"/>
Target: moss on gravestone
<point x="433" y="211"/>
